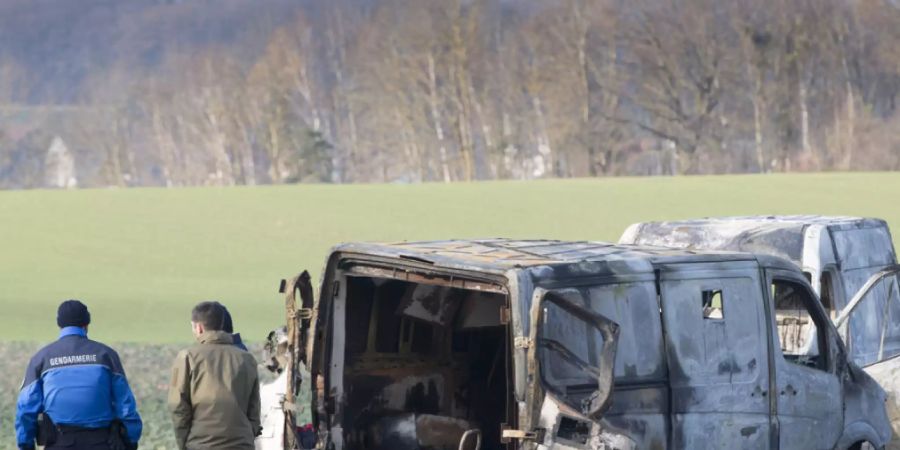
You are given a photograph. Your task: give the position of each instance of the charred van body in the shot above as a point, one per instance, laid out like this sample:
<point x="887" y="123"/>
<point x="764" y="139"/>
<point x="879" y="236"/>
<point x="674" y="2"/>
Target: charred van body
<point x="502" y="344"/>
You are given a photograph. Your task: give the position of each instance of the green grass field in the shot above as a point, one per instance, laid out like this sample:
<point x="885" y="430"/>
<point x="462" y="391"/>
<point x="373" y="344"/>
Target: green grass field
<point x="140" y="258"/>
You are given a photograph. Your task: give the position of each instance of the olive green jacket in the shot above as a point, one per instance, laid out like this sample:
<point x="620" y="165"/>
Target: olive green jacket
<point x="214" y="395"/>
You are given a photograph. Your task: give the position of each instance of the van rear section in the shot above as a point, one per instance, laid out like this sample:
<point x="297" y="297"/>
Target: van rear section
<point x="410" y="359"/>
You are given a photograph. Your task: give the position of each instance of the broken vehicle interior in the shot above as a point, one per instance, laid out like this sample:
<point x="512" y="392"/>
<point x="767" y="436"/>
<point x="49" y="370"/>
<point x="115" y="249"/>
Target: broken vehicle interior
<point x="419" y="364"/>
<point x="797" y="329"/>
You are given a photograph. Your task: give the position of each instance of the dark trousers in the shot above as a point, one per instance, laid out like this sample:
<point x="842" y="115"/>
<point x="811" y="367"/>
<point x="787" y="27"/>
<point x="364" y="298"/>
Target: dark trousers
<point x="81" y="439"/>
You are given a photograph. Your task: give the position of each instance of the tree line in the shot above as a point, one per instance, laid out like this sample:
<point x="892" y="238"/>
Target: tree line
<point x="457" y="90"/>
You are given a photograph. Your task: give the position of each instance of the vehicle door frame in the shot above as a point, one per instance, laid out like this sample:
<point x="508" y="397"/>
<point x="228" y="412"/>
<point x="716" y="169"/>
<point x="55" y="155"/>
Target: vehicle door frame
<point x="313" y="338"/>
<point x="838" y="298"/>
<point x="300" y="318"/>
<point x="835" y="349"/>
<point x="545" y="408"/>
<point x="842" y="322"/>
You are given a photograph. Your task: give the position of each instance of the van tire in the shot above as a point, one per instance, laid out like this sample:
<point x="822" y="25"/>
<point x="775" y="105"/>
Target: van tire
<point x="865" y="445"/>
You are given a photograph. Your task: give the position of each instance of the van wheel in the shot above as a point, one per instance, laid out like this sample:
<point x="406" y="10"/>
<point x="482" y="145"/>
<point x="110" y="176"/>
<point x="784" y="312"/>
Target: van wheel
<point x="862" y="446"/>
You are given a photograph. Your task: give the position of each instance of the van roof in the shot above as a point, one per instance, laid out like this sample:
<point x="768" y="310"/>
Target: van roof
<point x="832" y="221"/>
<point x="499" y="255"/>
<point x="775" y="235"/>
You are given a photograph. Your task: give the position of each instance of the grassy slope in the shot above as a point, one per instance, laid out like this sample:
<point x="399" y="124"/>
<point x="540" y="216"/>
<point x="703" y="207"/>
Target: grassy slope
<point x="141" y="258"/>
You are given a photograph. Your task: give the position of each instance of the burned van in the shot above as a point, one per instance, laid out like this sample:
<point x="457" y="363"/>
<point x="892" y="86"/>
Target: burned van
<point x="850" y="262"/>
<point x="502" y="344"/>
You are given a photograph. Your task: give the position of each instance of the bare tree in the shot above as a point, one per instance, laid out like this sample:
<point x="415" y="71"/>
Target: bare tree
<point x="450" y="90"/>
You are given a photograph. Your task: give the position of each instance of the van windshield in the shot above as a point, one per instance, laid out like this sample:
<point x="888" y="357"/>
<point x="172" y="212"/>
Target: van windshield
<point x="874" y="325"/>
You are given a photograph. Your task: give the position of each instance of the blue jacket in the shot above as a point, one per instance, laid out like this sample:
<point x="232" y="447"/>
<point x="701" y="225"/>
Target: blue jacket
<point x="236" y="337"/>
<point x="77" y="382"/>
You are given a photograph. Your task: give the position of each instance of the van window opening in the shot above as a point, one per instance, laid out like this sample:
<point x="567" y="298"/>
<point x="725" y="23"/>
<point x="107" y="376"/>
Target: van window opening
<point x="639" y="358"/>
<point x="712" y="305"/>
<point x="574" y="346"/>
<point x="801" y="343"/>
<point x="826" y="293"/>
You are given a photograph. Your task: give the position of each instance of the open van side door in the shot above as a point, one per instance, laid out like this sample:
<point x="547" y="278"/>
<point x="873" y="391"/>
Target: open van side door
<point x="572" y="352"/>
<point x="870" y="327"/>
<point x="870" y="323"/>
<point x="299" y="316"/>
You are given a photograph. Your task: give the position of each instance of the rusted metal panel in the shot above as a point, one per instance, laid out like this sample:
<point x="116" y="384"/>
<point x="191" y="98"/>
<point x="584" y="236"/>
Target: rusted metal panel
<point x="299" y="314"/>
<point x="293" y="332"/>
<point x="415" y="277"/>
<point x="421" y="432"/>
<point x="496" y="256"/>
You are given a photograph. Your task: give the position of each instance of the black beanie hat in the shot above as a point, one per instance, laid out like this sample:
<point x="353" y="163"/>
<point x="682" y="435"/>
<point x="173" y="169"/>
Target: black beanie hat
<point x="227" y="325"/>
<point x="72" y="313"/>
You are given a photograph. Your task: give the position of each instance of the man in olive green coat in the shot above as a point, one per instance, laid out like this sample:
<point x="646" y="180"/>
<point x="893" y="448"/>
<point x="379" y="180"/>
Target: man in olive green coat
<point x="214" y="394"/>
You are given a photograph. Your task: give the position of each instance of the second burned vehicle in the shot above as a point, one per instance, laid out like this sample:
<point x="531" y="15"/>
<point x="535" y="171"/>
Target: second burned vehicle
<point x="501" y="344"/>
<point x="850" y="262"/>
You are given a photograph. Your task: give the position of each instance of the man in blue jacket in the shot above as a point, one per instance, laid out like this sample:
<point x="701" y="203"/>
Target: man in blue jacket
<point x="80" y="386"/>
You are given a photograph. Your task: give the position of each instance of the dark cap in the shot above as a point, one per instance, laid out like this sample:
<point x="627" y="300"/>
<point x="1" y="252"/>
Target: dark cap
<point x="72" y="313"/>
<point x="227" y="325"/>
